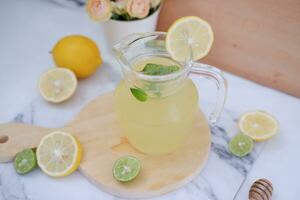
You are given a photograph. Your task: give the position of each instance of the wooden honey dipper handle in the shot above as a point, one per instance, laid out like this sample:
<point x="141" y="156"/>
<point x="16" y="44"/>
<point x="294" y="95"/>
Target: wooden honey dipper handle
<point x="261" y="189"/>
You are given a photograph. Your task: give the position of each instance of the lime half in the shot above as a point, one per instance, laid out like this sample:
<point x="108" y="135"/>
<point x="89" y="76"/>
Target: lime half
<point x="25" y="161"/>
<point x="241" y="145"/>
<point x="126" y="168"/>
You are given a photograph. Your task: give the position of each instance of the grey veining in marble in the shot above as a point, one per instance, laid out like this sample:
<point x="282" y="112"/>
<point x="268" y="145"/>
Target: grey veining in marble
<point x="11" y="185"/>
<point x="221" y="167"/>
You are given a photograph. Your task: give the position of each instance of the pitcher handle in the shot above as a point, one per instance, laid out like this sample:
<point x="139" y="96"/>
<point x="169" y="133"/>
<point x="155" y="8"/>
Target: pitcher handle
<point x="217" y="76"/>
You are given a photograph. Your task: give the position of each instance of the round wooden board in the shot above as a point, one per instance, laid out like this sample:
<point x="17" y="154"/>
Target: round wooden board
<point x="98" y="131"/>
<point x="159" y="174"/>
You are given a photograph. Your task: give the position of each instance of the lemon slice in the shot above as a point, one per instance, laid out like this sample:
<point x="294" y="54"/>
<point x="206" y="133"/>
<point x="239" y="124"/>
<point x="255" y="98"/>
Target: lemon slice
<point x="59" y="154"/>
<point x="189" y="38"/>
<point x="258" y="125"/>
<point x="57" y="85"/>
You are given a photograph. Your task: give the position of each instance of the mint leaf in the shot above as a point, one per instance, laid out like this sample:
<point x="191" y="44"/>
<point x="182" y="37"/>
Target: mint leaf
<point x="139" y="94"/>
<point x="156" y="69"/>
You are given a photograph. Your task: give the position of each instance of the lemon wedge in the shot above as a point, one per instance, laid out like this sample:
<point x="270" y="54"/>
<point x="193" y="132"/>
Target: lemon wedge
<point x="59" y="154"/>
<point x="57" y="85"/>
<point x="258" y="125"/>
<point x="189" y="38"/>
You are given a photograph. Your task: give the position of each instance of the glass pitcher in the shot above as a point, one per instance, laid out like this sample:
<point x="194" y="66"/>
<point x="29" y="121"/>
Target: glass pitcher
<point x="160" y="124"/>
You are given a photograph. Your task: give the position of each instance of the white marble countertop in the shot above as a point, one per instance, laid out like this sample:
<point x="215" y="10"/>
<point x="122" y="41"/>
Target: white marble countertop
<point x="29" y="29"/>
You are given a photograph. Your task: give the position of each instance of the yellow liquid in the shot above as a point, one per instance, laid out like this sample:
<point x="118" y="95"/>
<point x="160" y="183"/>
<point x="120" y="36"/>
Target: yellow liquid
<point x="159" y="125"/>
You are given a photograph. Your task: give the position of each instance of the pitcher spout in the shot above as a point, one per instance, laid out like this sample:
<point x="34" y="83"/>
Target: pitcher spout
<point x="123" y="45"/>
<point x="121" y="49"/>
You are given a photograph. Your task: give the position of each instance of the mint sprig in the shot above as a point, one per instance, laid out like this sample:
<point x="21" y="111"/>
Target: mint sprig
<point x="152" y="69"/>
<point x="139" y="94"/>
<point x="157" y="69"/>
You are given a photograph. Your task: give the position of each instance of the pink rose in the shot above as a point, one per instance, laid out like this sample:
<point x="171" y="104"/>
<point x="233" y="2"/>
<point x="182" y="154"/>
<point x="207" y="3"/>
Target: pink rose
<point x="138" y="8"/>
<point x="99" y="9"/>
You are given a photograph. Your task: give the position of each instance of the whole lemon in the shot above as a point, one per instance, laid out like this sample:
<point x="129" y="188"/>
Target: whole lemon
<point x="77" y="53"/>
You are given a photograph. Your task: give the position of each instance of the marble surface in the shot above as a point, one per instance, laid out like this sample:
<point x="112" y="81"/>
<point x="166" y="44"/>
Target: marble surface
<point x="29" y="29"/>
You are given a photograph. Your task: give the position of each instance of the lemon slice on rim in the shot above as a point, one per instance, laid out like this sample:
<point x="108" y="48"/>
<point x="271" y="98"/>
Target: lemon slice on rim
<point x="57" y="85"/>
<point x="189" y="35"/>
<point x="59" y="154"/>
<point x="258" y="125"/>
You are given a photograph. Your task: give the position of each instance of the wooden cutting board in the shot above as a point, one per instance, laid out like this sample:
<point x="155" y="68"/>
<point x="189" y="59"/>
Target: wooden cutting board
<point x="259" y="40"/>
<point x="98" y="131"/>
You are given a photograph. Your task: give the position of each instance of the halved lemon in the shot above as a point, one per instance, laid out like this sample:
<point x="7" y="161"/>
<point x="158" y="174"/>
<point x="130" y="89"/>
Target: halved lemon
<point x="258" y="125"/>
<point x="59" y="154"/>
<point x="57" y="85"/>
<point x="189" y="38"/>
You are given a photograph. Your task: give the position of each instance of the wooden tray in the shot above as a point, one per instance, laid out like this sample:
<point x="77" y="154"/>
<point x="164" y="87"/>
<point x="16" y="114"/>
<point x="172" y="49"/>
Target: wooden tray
<point x="258" y="40"/>
<point x="103" y="142"/>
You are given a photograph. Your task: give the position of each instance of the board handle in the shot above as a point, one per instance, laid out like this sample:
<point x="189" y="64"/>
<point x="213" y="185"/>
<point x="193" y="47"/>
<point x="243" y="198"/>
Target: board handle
<point x="15" y="137"/>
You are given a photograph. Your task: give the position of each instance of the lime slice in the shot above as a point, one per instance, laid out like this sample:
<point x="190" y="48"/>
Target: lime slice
<point x="240" y="145"/>
<point x="258" y="125"/>
<point x="126" y="168"/>
<point x="25" y="161"/>
<point x="189" y="37"/>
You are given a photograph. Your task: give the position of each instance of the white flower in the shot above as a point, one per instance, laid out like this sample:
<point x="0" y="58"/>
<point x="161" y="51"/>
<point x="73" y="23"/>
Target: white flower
<point x="121" y="4"/>
<point x="155" y="3"/>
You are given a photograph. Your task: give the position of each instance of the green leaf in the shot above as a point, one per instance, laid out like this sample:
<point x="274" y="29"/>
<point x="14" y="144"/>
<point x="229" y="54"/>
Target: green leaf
<point x="156" y="69"/>
<point x="114" y="16"/>
<point x="139" y="94"/>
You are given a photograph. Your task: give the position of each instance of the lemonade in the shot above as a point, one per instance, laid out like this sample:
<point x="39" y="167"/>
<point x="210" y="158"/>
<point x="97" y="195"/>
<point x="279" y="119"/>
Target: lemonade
<point x="160" y="124"/>
<point x="156" y="102"/>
